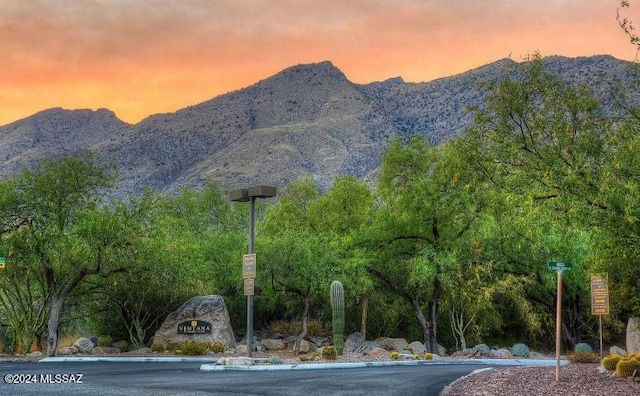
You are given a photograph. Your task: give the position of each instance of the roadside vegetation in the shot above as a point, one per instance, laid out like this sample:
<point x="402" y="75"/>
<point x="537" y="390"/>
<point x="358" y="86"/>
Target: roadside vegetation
<point x="451" y="245"/>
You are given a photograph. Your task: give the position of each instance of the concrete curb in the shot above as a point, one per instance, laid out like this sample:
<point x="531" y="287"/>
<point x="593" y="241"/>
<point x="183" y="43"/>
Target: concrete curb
<point x="134" y="359"/>
<point x="321" y="366"/>
<point x="209" y="364"/>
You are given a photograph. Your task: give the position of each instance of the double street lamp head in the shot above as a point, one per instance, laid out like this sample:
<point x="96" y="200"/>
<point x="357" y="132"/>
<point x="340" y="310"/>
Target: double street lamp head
<point x="245" y="194"/>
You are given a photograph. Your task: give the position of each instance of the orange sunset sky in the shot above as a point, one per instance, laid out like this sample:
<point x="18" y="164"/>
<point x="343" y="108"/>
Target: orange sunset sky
<point x="142" y="57"/>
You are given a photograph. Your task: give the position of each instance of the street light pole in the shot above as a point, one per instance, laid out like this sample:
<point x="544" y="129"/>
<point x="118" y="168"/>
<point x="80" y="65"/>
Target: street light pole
<point x="249" y="195"/>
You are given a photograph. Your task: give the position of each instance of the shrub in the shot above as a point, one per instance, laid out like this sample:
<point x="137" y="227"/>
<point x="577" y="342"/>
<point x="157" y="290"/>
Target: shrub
<point x="158" y="347"/>
<point x="122" y="345"/>
<point x="583" y="347"/>
<point x="330" y="353"/>
<point x="609" y="362"/>
<point x="275" y="359"/>
<point x="216" y="347"/>
<point x="428" y="356"/>
<point x="520" y="350"/>
<point x="174" y="346"/>
<point x="627" y="366"/>
<point x="484" y="348"/>
<point x="583" y="357"/>
<point x="394" y="355"/>
<point x="105" y="341"/>
<point x="193" y="348"/>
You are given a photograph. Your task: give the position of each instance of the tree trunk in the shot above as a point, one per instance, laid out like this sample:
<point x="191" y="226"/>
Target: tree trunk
<point x="305" y="321"/>
<point x="433" y="312"/>
<point x="426" y="326"/>
<point x="53" y="322"/>
<point x="364" y="305"/>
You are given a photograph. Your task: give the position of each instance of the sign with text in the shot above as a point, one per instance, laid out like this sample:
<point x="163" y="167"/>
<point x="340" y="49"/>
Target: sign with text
<point x="194" y="327"/>
<point x="249" y="286"/>
<point x="599" y="294"/>
<point x="560" y="267"/>
<point x="249" y="266"/>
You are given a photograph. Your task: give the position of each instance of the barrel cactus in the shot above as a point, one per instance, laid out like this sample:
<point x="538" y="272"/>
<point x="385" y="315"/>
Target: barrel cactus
<point x="610" y="361"/>
<point x="627" y="366"/>
<point x="337" y="308"/>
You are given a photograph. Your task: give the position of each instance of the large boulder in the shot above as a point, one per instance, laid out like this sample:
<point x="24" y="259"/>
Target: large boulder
<point x="202" y="319"/>
<point x="353" y="341"/>
<point x="633" y="335"/>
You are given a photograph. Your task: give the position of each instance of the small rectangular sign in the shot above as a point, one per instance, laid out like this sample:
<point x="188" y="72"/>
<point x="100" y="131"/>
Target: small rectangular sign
<point x="554" y="265"/>
<point x="249" y="266"/>
<point x="600" y="304"/>
<point x="249" y="286"/>
<point x="599" y="284"/>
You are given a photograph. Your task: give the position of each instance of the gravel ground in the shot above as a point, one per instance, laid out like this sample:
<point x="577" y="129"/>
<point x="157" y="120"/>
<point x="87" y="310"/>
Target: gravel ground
<point x="576" y="379"/>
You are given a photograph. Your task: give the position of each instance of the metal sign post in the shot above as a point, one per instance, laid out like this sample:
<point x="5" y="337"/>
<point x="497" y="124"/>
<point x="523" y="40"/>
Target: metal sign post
<point x="559" y="268"/>
<point x="600" y="300"/>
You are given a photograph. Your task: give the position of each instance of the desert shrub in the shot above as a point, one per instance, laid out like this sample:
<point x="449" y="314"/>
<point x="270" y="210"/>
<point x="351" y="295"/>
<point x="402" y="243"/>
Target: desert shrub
<point x="520" y="350"/>
<point x="583" y="357"/>
<point x="627" y="366"/>
<point x="68" y="339"/>
<point x="583" y="347"/>
<point x="330" y="353"/>
<point x="216" y="347"/>
<point x="193" y="348"/>
<point x="174" y="346"/>
<point x="609" y="362"/>
<point x="309" y="358"/>
<point x="105" y="341"/>
<point x="158" y="347"/>
<point x="428" y="356"/>
<point x="122" y="345"/>
<point x="484" y="348"/>
<point x="275" y="359"/>
<point x="395" y="355"/>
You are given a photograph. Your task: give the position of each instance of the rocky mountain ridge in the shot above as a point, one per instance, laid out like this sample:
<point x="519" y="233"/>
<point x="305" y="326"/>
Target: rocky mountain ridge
<point x="306" y="120"/>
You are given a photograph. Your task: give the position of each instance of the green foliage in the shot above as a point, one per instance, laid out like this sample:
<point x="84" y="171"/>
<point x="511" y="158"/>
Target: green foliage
<point x="217" y="347"/>
<point x="105" y="341"/>
<point x="158" y="347"/>
<point x="122" y="345"/>
<point x="174" y="346"/>
<point x="337" y="318"/>
<point x="193" y="348"/>
<point x="520" y="350"/>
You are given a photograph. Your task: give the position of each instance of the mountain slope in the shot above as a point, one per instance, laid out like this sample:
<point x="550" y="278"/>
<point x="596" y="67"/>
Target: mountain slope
<point x="306" y="120"/>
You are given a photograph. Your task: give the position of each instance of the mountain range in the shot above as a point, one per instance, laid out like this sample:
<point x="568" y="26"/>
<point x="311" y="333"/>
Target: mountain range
<point x="305" y="120"/>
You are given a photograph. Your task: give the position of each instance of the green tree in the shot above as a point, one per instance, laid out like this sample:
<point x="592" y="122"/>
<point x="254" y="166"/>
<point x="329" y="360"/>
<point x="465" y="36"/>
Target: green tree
<point x="427" y="206"/>
<point x="296" y="257"/>
<point x="68" y="233"/>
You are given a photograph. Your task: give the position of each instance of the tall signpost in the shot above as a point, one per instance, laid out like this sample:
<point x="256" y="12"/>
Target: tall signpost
<point x="559" y="268"/>
<point x="600" y="299"/>
<point x="249" y="260"/>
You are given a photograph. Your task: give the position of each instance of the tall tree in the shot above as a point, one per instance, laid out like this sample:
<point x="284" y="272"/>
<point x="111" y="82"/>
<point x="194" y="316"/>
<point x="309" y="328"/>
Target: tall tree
<point x="426" y="207"/>
<point x="70" y="236"/>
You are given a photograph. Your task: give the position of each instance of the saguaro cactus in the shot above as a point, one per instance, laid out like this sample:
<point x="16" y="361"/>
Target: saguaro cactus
<point x="337" y="308"/>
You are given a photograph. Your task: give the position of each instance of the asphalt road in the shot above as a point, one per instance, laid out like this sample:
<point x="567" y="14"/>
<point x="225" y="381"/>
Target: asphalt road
<point x="186" y="378"/>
